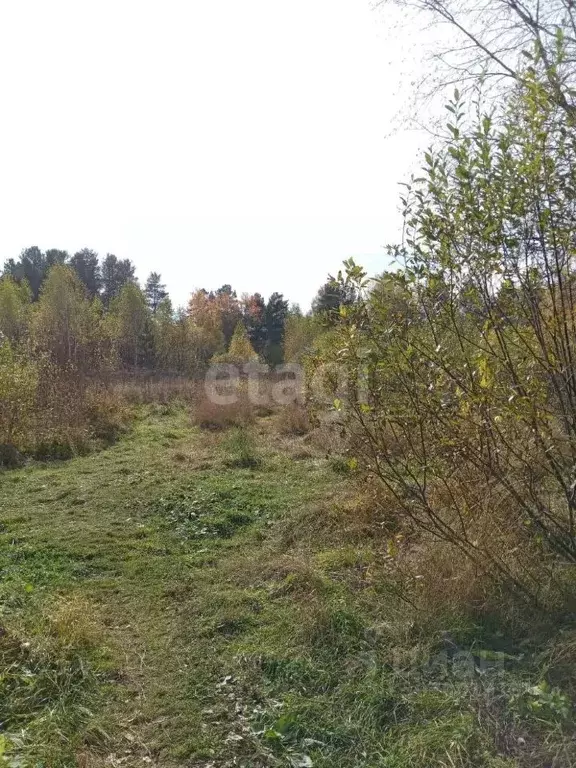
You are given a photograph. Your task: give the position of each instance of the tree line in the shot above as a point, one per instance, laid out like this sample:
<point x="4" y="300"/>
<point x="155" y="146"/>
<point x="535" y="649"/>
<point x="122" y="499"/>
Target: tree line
<point x="70" y="325"/>
<point x="93" y="314"/>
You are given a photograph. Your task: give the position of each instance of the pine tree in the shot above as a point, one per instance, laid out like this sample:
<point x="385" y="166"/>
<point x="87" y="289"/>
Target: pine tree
<point x="330" y="297"/>
<point x="275" y="317"/>
<point x="85" y="264"/>
<point x="155" y="291"/>
<point x="115" y="274"/>
<point x="31" y="267"/>
<point x="56" y="256"/>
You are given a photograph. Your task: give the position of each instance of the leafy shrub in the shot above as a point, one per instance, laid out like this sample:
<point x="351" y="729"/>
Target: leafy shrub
<point x="543" y="703"/>
<point x="10" y="457"/>
<point x="460" y="368"/>
<point x="49" y="411"/>
<point x="59" y="447"/>
<point x="18" y="387"/>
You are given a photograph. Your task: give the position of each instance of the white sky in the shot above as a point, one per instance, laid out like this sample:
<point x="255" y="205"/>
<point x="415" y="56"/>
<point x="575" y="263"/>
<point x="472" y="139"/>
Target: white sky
<point x="241" y="141"/>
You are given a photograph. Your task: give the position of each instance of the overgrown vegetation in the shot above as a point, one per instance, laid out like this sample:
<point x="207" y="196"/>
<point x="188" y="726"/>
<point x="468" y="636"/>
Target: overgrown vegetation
<point x="80" y="338"/>
<point x="460" y="366"/>
<point x="383" y="575"/>
<point x="162" y="600"/>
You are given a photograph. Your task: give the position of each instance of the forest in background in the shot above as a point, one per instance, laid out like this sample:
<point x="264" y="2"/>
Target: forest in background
<point x="70" y="326"/>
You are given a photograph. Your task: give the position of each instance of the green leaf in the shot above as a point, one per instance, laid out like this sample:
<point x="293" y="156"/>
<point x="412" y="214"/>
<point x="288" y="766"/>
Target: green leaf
<point x="284" y="723"/>
<point x="272" y="735"/>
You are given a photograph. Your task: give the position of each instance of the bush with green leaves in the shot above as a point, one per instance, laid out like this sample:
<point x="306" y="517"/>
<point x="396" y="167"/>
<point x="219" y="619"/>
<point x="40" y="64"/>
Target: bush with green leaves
<point x="461" y="366"/>
<point x="18" y="385"/>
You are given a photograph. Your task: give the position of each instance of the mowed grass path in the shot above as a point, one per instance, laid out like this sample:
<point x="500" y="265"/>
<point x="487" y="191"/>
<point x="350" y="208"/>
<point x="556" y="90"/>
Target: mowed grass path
<point x="161" y="605"/>
<point x="132" y="542"/>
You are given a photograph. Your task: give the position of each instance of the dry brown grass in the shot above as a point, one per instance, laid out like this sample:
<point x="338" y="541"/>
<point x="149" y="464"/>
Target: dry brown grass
<point x="443" y="585"/>
<point x="76" y="623"/>
<point x="327" y="438"/>
<point x="437" y="581"/>
<point x="293" y="420"/>
<point x="351" y="517"/>
<point x="107" y="414"/>
<point x="467" y="552"/>
<point x="279" y="573"/>
<point x="207" y="414"/>
<point x="250" y="402"/>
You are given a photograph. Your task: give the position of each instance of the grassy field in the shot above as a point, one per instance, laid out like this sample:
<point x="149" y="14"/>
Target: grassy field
<point x="200" y="598"/>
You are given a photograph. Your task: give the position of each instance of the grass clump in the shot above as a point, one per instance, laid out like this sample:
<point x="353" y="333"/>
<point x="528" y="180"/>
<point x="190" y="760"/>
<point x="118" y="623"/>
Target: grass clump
<point x="51" y="684"/>
<point x="203" y="514"/>
<point x="293" y="420"/>
<point x="241" y="448"/>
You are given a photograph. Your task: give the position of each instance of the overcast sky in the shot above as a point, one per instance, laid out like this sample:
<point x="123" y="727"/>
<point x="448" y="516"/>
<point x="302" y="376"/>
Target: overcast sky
<point x="248" y="142"/>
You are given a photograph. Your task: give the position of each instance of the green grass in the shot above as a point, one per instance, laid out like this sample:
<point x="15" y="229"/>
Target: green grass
<point x="168" y="602"/>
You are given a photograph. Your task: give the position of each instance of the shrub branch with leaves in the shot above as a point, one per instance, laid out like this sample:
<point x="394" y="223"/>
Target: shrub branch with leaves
<point x="467" y="355"/>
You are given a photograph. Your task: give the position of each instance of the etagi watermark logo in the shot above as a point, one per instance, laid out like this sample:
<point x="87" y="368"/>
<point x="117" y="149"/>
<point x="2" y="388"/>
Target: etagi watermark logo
<point x="226" y="383"/>
<point x="446" y="666"/>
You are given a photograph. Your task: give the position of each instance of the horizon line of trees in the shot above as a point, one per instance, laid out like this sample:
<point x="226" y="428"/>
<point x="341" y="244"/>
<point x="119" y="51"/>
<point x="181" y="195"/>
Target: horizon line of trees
<point x="90" y="313"/>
